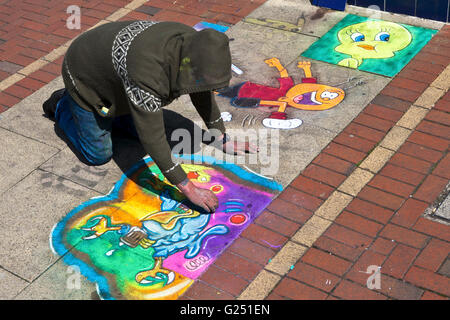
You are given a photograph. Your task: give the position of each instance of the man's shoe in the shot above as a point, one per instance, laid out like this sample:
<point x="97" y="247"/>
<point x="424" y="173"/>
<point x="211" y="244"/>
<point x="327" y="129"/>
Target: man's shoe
<point x="49" y="106"/>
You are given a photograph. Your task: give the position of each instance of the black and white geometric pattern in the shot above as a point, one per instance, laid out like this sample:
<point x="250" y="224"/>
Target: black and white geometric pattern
<point x="121" y="44"/>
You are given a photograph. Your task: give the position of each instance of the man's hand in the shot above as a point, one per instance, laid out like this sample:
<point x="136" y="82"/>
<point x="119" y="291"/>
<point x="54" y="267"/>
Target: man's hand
<point x="238" y="147"/>
<point x="198" y="196"/>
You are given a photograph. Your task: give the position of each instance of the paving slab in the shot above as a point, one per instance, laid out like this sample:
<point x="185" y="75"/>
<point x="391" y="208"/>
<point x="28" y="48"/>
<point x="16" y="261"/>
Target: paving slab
<point x="27" y="117"/>
<point x="317" y="21"/>
<point x="10" y="285"/>
<point x="19" y="156"/>
<point x="59" y="282"/>
<point x="253" y="44"/>
<point x="28" y="212"/>
<point x="99" y="178"/>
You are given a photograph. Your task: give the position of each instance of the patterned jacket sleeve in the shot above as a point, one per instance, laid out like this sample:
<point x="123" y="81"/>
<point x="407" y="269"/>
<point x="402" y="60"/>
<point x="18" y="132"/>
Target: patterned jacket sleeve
<point x="150" y="128"/>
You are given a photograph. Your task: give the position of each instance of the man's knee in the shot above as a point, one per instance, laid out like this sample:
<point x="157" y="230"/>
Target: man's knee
<point x="98" y="158"/>
<point x="97" y="151"/>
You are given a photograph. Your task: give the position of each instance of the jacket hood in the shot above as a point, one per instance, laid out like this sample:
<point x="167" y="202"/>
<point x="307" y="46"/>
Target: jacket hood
<point x="205" y="62"/>
<point x="171" y="59"/>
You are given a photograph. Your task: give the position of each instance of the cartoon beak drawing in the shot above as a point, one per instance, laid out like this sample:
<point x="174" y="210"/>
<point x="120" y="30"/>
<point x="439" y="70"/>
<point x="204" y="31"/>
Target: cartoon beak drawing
<point x="99" y="228"/>
<point x="366" y="46"/>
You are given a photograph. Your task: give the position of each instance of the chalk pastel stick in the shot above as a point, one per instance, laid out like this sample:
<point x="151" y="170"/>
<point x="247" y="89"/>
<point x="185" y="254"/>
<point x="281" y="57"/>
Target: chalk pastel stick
<point x="236" y="69"/>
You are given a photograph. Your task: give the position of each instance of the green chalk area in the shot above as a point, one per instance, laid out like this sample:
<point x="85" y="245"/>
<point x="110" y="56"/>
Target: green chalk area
<point x="324" y="48"/>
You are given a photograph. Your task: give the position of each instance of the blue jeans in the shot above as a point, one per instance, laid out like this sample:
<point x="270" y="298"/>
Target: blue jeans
<point x="90" y="133"/>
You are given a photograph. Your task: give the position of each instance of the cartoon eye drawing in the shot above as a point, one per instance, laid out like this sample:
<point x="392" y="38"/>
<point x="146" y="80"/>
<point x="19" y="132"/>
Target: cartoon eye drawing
<point x="382" y="36"/>
<point x="329" y="95"/>
<point x="371" y="40"/>
<point x="357" y="37"/>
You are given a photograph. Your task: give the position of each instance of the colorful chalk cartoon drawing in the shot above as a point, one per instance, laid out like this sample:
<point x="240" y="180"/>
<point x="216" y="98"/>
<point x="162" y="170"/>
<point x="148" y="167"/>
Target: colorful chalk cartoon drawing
<point x="226" y="116"/>
<point x="144" y="241"/>
<point x="208" y="25"/>
<point x="371" y="40"/>
<point x="371" y="45"/>
<point x="308" y="95"/>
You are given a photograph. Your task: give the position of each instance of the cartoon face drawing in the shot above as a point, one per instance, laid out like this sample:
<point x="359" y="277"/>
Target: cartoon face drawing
<point x="311" y="96"/>
<point x="308" y="95"/>
<point x="371" y="40"/>
<point x="368" y="44"/>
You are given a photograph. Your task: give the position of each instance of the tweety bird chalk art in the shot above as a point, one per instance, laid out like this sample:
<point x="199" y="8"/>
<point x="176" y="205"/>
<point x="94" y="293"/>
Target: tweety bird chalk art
<point x="371" y="45"/>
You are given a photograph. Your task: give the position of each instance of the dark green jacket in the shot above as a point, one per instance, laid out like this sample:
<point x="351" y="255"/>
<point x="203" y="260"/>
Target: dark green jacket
<point x="138" y="67"/>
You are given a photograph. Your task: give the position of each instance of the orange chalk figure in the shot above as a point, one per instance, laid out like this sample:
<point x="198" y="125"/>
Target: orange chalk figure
<point x="308" y="95"/>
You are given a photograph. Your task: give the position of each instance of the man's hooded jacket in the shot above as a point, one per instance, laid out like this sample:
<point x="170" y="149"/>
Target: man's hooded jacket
<point x="138" y="67"/>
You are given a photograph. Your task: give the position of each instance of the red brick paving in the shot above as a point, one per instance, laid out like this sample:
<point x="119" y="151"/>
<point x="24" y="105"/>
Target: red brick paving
<point x="296" y="290"/>
<point x="374" y="122"/>
<point x="312" y="187"/>
<point x="370" y="210"/>
<point x="264" y="236"/>
<point x="433" y="255"/>
<point x="338" y="248"/>
<point x="276" y="223"/>
<point x="383" y="226"/>
<point x="289" y="210"/>
<point x="352" y="291"/>
<point x="390" y="185"/>
<point x="344" y="152"/>
<point x="324" y="175"/>
<point x="409" y="213"/>
<point x="360" y="224"/>
<point x="313" y="276"/>
<point x="358" y="272"/>
<point x="325" y="261"/>
<point x="441" y="169"/>
<point x="347" y="236"/>
<point x="354" y="142"/>
<point x="402" y="174"/>
<point x="295" y="196"/>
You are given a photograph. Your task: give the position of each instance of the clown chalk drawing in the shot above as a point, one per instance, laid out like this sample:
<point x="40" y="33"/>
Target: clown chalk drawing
<point x="371" y="45"/>
<point x="144" y="240"/>
<point x="308" y="95"/>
